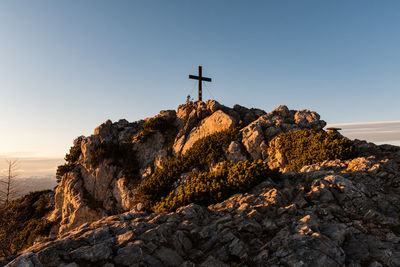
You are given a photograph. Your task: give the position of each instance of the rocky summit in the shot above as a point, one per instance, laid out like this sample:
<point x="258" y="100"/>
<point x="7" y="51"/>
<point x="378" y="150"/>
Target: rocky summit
<point x="327" y="201"/>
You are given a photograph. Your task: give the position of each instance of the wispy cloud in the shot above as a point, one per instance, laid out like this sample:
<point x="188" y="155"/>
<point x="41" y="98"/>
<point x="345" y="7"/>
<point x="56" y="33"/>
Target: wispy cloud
<point x="19" y="154"/>
<point x="377" y="132"/>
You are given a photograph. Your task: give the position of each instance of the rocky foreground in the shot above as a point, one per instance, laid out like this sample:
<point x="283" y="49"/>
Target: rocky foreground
<point x="336" y="213"/>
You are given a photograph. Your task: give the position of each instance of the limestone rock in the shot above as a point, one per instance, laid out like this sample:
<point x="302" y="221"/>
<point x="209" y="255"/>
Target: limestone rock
<point x="235" y="153"/>
<point x="123" y="194"/>
<point x="178" y="145"/>
<point x="148" y="149"/>
<point x="247" y="116"/>
<point x="213" y="106"/>
<point x="168" y="257"/>
<point x="256" y="136"/>
<point x="161" y="157"/>
<point x="217" y="122"/>
<point x="70" y="205"/>
<point x="252" y="136"/>
<point x="97" y="181"/>
<point x="308" y="119"/>
<point x="128" y="255"/>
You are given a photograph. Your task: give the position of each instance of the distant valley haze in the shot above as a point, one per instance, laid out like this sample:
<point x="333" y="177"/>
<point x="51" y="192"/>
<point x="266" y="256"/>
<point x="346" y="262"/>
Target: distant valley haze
<point x="31" y="173"/>
<point x="376" y="132"/>
<point x="32" y="166"/>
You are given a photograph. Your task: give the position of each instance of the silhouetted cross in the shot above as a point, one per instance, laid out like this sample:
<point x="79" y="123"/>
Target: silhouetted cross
<point x="200" y="78"/>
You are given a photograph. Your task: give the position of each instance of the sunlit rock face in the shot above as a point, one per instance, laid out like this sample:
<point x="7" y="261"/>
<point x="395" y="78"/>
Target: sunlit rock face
<point x="257" y="135"/>
<point x="334" y="213"/>
<point x="71" y="207"/>
<point x="217" y="122"/>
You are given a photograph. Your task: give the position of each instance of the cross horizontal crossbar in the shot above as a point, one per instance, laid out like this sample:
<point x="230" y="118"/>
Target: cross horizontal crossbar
<point x="197" y="78"/>
<point x="200" y="78"/>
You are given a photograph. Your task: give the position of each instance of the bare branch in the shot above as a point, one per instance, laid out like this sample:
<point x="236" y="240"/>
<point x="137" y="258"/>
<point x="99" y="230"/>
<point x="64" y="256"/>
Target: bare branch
<point x="8" y="187"/>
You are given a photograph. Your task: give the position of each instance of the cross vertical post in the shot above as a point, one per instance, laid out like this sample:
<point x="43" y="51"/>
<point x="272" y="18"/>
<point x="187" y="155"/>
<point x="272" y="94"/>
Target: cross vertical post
<point x="200" y="78"/>
<point x="200" y="84"/>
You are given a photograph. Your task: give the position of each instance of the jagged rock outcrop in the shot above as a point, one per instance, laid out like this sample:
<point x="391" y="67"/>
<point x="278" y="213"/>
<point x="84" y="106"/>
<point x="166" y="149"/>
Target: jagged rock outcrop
<point x="256" y="136"/>
<point x="334" y="213"/>
<point x="217" y="122"/>
<point x="72" y="209"/>
<point x="98" y="186"/>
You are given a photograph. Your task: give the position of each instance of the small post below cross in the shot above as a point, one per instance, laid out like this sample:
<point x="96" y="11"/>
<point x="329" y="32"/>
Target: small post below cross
<point x="200" y="78"/>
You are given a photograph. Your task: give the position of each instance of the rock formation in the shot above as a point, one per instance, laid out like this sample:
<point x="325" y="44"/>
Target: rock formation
<point x="91" y="191"/>
<point x="333" y="213"/>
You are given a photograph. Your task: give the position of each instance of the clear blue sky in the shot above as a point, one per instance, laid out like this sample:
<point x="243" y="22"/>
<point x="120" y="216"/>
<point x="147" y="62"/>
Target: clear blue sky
<point x="67" y="66"/>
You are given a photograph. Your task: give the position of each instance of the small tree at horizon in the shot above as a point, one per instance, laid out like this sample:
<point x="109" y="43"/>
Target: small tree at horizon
<point x="8" y="189"/>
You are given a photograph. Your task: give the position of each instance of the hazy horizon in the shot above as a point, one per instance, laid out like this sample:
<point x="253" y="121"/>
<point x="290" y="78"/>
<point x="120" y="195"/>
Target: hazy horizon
<point x="32" y="167"/>
<point x="387" y="132"/>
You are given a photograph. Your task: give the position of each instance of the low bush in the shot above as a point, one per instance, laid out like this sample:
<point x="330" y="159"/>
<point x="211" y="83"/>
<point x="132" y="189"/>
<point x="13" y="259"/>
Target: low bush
<point x="120" y="154"/>
<point x="202" y="154"/>
<point x="22" y="221"/>
<point x="305" y="147"/>
<point x="71" y="158"/>
<point x="207" y="188"/>
<point x="75" y="151"/>
<point x="159" y="123"/>
<point x="35" y="228"/>
<point x="63" y="169"/>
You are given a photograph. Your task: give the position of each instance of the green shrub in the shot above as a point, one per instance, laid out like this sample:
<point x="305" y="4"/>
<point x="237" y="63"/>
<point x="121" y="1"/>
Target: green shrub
<point x="203" y="153"/>
<point x="152" y="125"/>
<point x="158" y="123"/>
<point x="187" y="107"/>
<point x="120" y="154"/>
<point x="71" y="158"/>
<point x="22" y="221"/>
<point x="63" y="169"/>
<point x="34" y="229"/>
<point x="103" y="151"/>
<point x="206" y="188"/>
<point x="305" y="147"/>
<point x="75" y="151"/>
<point x="208" y="150"/>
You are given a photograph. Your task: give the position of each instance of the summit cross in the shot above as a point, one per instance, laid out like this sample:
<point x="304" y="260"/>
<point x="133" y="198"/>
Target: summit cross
<point x="200" y="78"/>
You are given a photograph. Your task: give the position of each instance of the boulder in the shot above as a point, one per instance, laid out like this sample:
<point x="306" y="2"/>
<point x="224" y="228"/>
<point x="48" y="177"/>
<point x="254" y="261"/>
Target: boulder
<point x="148" y="149"/>
<point x="252" y="136"/>
<point x="71" y="208"/>
<point x="308" y="119"/>
<point x="217" y="122"/>
<point x="213" y="106"/>
<point x="234" y="152"/>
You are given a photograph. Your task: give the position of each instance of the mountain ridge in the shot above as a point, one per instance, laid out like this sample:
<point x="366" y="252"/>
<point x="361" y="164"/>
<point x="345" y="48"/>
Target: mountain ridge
<point x="152" y="143"/>
<point x="329" y="195"/>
